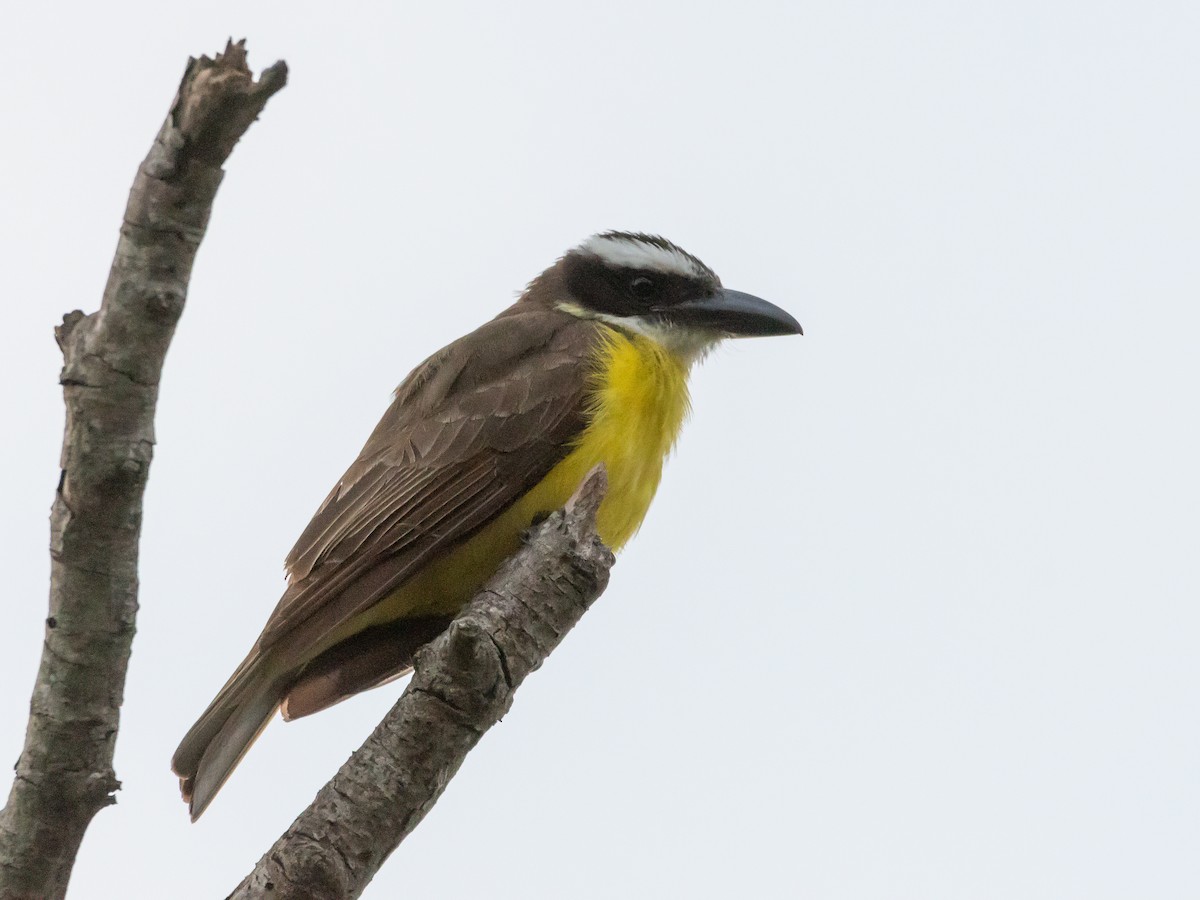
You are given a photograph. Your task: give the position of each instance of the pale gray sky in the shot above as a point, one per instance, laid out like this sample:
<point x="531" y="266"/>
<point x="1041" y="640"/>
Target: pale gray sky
<point x="915" y="614"/>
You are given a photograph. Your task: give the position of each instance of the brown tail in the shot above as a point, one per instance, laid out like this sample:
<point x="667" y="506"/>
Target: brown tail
<point x="366" y="660"/>
<point x="221" y="736"/>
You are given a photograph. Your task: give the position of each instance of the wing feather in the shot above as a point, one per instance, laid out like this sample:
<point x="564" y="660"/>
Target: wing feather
<point x="471" y="430"/>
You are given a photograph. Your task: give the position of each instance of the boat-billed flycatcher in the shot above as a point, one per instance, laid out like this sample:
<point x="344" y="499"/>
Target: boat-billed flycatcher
<point x="590" y="365"/>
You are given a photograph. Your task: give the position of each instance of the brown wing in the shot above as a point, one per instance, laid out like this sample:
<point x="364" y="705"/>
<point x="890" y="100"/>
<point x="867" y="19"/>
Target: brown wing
<point x="471" y="430"/>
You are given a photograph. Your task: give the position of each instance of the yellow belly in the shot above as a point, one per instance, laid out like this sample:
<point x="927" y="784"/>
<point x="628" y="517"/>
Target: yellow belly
<point x="639" y="403"/>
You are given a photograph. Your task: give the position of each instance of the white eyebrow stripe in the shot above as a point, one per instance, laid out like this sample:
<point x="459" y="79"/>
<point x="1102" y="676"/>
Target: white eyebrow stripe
<point x="635" y="254"/>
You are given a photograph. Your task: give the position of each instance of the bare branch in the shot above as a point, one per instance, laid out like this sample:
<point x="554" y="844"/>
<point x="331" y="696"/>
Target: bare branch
<point x="464" y="683"/>
<point x="112" y="363"/>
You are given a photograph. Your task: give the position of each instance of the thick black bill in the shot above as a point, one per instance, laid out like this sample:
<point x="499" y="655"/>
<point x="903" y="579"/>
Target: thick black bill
<point x="736" y="314"/>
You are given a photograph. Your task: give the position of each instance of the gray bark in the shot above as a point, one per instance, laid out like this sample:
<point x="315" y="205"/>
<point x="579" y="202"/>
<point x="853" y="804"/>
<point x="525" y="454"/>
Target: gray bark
<point x="112" y="363"/>
<point x="464" y="683"/>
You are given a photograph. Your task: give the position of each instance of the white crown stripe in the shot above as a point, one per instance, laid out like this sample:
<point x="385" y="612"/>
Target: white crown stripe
<point x="628" y="252"/>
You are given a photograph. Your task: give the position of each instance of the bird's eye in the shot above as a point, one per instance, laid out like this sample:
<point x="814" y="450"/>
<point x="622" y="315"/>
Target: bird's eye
<point x="642" y="287"/>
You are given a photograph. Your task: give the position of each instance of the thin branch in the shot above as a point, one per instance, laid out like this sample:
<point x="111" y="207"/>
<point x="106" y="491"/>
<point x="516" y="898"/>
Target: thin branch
<point x="464" y="683"/>
<point x="112" y="363"/>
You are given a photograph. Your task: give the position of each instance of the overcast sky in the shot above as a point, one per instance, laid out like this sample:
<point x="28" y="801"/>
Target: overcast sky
<point x="914" y="616"/>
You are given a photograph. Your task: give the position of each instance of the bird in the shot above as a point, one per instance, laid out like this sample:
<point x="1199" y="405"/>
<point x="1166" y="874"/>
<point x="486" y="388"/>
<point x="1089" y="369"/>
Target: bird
<point x="483" y="439"/>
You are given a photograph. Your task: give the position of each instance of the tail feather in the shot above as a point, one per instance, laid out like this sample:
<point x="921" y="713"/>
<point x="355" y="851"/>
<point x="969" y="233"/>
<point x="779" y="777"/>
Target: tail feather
<point x="221" y="736"/>
<point x="366" y="660"/>
<point x="241" y="710"/>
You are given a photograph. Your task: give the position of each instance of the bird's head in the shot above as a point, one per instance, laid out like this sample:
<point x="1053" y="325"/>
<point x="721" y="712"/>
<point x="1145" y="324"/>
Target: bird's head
<point x="648" y="285"/>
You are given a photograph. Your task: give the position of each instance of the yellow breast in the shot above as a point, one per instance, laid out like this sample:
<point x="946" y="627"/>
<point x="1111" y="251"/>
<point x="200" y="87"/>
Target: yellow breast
<point x="637" y="405"/>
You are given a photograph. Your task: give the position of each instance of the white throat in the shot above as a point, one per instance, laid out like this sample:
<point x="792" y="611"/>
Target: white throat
<point x="689" y="345"/>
